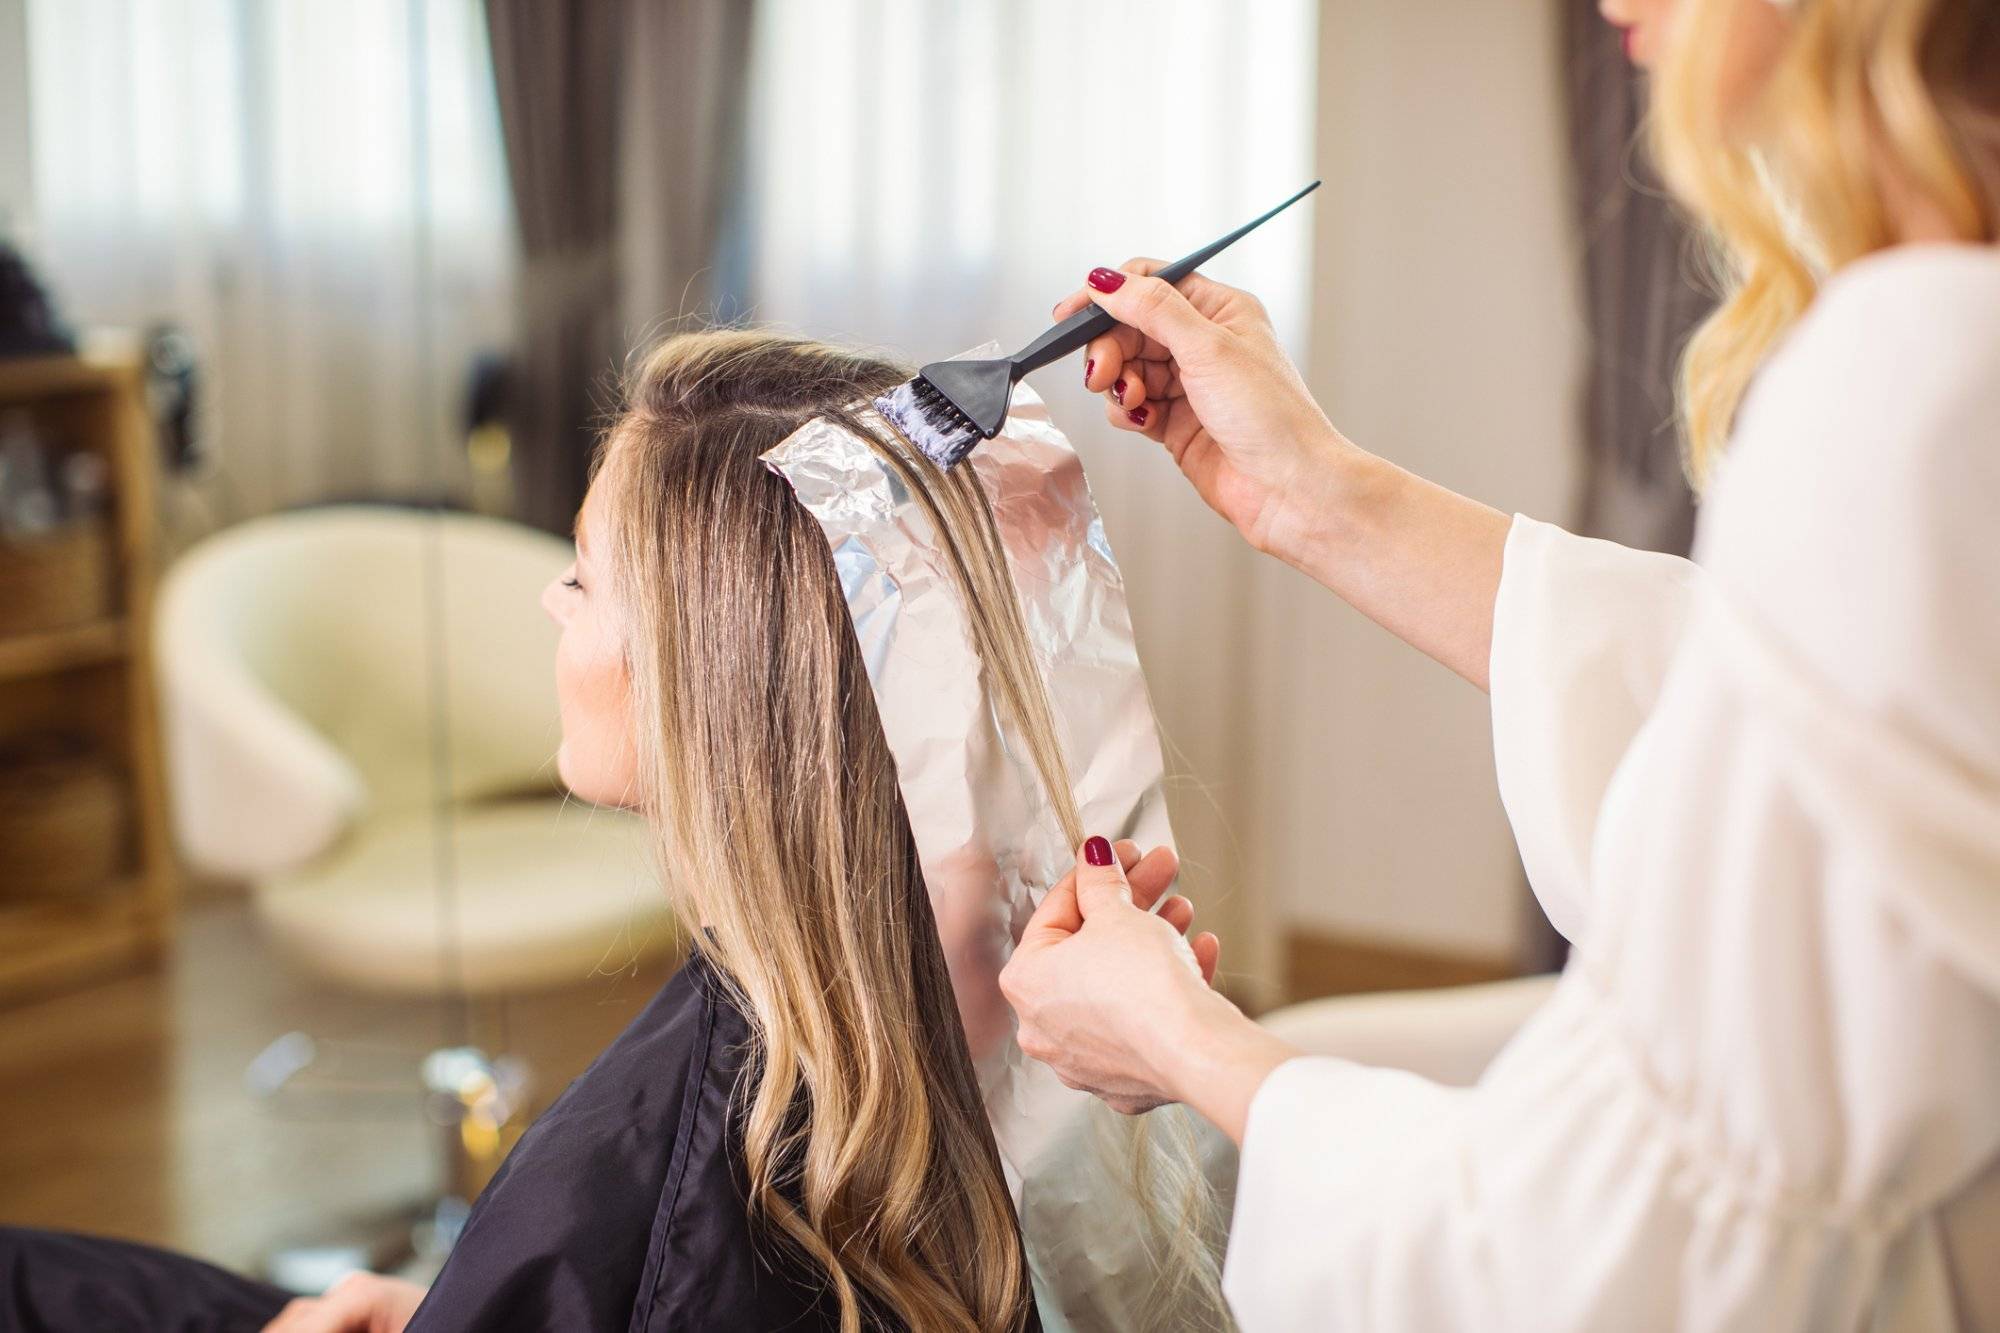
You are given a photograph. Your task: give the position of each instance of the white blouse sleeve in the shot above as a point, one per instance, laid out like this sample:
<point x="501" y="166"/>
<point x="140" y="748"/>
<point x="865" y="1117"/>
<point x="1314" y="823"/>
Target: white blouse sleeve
<point x="1764" y="799"/>
<point x="1582" y="633"/>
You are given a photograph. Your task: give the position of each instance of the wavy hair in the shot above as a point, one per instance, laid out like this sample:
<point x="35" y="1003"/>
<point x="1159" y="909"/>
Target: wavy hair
<point x="1866" y="98"/>
<point x="772" y="792"/>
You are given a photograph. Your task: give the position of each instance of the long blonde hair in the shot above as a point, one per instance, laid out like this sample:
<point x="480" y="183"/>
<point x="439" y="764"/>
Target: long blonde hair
<point x="1793" y="185"/>
<point x="779" y="825"/>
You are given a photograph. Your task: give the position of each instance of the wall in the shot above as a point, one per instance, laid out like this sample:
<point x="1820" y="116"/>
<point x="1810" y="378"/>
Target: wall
<point x="1445" y="335"/>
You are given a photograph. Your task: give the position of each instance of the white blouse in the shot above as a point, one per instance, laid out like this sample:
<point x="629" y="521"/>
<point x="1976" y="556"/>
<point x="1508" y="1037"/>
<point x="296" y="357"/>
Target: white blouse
<point x="1761" y="795"/>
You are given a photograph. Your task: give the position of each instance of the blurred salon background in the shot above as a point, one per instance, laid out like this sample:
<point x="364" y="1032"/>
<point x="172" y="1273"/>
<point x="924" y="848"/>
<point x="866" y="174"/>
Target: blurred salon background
<point x="308" y="315"/>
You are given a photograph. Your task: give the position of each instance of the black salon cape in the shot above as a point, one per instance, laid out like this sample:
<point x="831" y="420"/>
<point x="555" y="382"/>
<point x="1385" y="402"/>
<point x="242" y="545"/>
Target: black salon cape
<point x="622" y="1208"/>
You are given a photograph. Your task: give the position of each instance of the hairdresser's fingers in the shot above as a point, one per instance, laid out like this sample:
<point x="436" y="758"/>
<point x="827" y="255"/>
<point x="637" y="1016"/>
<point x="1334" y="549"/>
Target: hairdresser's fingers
<point x="1078" y="299"/>
<point x="1114" y="349"/>
<point x="1177" y="912"/>
<point x="1124" y="420"/>
<point x="1058" y="916"/>
<point x="1103" y="363"/>
<point x="1207" y="952"/>
<point x="1129" y="389"/>
<point x="1141" y="384"/>
<point x="1204" y="293"/>
<point x="1131" y="341"/>
<point x="1071" y="1083"/>
<point x="1158" y="310"/>
<point x="1055" y="919"/>
<point x="1198" y="288"/>
<point x="1155" y="871"/>
<point x="1151" y="875"/>
<point x="1147" y="419"/>
<point x="1216" y="300"/>
<point x="1107" y="349"/>
<point x="1123" y="1104"/>
<point x="1131" y="1105"/>
<point x="1146" y="383"/>
<point x="1101" y="886"/>
<point x="1158" y="377"/>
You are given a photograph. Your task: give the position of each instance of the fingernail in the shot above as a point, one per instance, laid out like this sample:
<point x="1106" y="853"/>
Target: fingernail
<point x="1106" y="279"/>
<point x="1139" y="415"/>
<point x="1088" y="366"/>
<point x="1097" y="851"/>
<point x="1118" y="390"/>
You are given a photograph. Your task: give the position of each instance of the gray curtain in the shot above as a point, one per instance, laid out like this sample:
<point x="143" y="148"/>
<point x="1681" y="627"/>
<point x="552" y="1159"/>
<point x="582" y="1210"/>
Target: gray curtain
<point x="1640" y="304"/>
<point x="622" y="120"/>
<point x="1640" y="299"/>
<point x="686" y="77"/>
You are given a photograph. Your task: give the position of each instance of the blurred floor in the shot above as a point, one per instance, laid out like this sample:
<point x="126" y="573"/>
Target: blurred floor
<point x="123" y="1108"/>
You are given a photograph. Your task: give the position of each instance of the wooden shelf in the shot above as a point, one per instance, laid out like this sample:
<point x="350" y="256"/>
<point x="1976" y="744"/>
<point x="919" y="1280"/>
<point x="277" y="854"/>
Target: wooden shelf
<point x="24" y="378"/>
<point x="58" y="943"/>
<point x="116" y="903"/>
<point x="97" y="403"/>
<point x="90" y="644"/>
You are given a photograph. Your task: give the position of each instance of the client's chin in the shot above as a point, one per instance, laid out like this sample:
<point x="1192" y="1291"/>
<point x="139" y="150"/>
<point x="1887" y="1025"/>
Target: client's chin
<point x="585" y="783"/>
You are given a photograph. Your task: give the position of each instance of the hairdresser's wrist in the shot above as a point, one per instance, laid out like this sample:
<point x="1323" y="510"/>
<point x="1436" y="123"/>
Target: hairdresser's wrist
<point x="1214" y="1059"/>
<point x="1313" y="520"/>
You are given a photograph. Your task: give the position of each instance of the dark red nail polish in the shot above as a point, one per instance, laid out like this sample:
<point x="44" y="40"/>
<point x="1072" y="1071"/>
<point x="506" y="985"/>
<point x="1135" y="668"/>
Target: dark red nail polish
<point x="1097" y="851"/>
<point x="1118" y="391"/>
<point x="1139" y="415"/>
<point x="1106" y="279"/>
<point x="1088" y="366"/>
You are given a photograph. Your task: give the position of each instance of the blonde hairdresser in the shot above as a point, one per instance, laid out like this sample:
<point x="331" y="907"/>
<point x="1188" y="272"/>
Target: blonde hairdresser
<point x="1759" y="791"/>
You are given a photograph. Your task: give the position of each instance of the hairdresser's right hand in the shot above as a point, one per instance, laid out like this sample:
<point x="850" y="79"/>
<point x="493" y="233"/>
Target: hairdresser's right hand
<point x="1202" y="372"/>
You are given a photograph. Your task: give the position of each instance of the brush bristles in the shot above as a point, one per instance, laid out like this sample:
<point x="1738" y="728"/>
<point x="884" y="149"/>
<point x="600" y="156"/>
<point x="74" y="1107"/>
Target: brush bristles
<point x="930" y="421"/>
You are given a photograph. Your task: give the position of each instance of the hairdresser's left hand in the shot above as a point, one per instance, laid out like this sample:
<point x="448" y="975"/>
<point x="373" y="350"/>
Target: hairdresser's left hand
<point x="1117" y="1001"/>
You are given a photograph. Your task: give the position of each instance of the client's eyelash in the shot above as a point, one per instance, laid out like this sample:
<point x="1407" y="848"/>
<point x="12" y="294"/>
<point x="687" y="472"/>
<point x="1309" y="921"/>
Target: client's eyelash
<point x="572" y="583"/>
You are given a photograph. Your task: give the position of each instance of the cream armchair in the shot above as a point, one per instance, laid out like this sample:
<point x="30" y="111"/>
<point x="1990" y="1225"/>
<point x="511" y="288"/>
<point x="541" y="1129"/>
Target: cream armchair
<point x="1448" y="1035"/>
<point x="358" y="698"/>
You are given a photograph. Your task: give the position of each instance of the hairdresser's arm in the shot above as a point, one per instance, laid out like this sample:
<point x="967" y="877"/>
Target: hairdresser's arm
<point x="1202" y="373"/>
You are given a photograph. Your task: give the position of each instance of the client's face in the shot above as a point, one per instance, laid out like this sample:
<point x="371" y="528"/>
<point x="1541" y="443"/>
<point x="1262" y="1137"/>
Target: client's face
<point x="592" y="684"/>
<point x="1643" y="26"/>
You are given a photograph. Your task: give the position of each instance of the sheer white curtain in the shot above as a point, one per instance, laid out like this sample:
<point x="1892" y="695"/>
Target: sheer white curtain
<point x="927" y="176"/>
<point x="314" y="191"/>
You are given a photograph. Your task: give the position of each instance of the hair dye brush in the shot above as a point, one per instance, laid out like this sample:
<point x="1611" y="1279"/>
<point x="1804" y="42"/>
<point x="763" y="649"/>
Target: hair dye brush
<point x="952" y="405"/>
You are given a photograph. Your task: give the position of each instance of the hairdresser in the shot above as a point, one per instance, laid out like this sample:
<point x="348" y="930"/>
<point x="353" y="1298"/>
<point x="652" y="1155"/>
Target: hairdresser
<point x="1759" y="791"/>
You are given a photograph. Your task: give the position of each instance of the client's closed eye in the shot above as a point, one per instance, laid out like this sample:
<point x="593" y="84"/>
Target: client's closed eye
<point x="571" y="582"/>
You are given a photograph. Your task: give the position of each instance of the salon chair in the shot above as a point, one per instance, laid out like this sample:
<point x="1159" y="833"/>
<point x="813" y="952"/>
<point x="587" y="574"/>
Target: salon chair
<point x="1448" y="1035"/>
<point x="360" y="721"/>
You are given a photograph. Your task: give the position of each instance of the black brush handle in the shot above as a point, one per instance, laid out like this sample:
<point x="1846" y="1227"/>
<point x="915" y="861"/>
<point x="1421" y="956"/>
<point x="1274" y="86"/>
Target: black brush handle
<point x="1094" y="320"/>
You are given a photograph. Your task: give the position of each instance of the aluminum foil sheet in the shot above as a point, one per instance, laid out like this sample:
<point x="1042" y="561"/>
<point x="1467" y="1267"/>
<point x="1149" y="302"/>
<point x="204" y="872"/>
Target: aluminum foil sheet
<point x="989" y="842"/>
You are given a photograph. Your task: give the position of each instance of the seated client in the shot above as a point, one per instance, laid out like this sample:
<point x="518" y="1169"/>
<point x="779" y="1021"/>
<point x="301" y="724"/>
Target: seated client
<point x="791" y="1135"/>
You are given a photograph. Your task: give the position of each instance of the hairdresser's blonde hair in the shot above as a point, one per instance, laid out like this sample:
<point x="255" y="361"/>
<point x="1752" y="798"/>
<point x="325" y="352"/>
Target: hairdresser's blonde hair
<point x="764" y="769"/>
<point x="1792" y="186"/>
